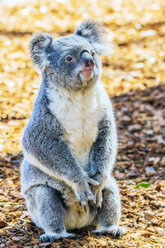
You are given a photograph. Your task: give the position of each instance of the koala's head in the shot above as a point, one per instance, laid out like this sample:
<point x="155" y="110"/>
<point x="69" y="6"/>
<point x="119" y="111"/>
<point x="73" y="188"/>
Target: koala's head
<point x="71" y="61"/>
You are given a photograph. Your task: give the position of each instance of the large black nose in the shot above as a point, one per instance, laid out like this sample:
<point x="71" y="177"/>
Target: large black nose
<point x="87" y="59"/>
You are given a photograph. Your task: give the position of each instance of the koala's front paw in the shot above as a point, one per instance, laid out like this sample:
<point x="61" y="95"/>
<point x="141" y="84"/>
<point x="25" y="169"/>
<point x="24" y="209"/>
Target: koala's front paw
<point x="84" y="192"/>
<point x="51" y="237"/>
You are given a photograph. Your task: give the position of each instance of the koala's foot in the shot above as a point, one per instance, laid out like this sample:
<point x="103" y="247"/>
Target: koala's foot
<point x="51" y="237"/>
<point x="114" y="230"/>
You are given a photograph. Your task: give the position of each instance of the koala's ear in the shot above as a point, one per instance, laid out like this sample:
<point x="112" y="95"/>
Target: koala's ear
<point x="38" y="46"/>
<point x="95" y="33"/>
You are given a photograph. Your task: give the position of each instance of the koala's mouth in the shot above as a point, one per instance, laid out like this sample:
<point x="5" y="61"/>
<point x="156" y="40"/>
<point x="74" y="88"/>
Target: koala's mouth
<point x="86" y="74"/>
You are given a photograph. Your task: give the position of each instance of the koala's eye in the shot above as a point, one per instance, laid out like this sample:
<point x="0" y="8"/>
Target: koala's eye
<point x="69" y="59"/>
<point x="93" y="54"/>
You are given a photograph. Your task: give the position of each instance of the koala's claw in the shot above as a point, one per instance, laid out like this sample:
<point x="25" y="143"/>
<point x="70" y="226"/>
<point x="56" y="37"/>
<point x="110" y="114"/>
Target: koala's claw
<point x="51" y="237"/>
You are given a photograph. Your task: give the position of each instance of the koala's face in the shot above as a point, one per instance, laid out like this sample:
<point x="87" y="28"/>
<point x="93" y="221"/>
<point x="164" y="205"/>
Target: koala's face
<point x="72" y="61"/>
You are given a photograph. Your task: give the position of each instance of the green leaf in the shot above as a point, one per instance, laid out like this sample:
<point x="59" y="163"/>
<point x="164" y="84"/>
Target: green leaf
<point x="143" y="184"/>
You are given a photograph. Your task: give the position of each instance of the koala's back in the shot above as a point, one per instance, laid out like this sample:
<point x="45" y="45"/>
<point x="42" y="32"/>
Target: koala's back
<point x="79" y="114"/>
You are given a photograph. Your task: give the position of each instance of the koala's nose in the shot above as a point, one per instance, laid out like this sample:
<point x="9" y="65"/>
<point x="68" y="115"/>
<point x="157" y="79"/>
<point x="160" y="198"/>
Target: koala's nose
<point x="87" y="60"/>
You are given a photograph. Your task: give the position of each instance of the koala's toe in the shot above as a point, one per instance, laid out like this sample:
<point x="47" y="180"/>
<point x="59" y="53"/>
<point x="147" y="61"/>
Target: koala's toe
<point x="49" y="237"/>
<point x="116" y="231"/>
<point x="90" y="196"/>
<point x="83" y="201"/>
<point x="45" y="237"/>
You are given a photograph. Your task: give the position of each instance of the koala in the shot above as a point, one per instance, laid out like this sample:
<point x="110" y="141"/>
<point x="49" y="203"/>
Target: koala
<point x="70" y="141"/>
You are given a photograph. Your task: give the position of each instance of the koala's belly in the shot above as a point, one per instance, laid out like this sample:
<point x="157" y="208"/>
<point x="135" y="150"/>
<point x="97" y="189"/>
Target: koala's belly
<point x="77" y="217"/>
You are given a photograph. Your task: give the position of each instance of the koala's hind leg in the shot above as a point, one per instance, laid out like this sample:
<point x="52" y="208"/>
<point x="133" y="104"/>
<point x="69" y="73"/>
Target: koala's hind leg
<point x="110" y="211"/>
<point x="46" y="210"/>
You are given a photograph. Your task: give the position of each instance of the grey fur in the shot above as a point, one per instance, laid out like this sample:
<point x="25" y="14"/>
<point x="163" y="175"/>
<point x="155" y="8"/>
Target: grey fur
<point x="94" y="32"/>
<point x="60" y="194"/>
<point x="39" y="46"/>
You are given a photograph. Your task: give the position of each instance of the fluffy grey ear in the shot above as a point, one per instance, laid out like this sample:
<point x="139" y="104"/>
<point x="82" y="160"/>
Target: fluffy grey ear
<point x="38" y="46"/>
<point x="94" y="32"/>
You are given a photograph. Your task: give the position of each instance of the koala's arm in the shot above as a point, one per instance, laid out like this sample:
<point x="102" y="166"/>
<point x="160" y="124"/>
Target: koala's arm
<point x="104" y="150"/>
<point x="44" y="148"/>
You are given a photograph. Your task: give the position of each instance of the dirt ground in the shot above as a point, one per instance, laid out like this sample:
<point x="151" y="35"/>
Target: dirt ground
<point x="134" y="77"/>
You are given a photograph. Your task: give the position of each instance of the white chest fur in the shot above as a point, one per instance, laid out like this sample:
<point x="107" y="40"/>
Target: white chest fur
<point x="79" y="114"/>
